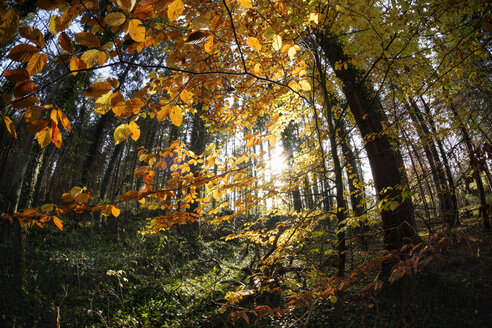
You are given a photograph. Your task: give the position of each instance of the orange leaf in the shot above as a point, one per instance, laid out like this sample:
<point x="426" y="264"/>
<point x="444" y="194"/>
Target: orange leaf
<point x="134" y="105"/>
<point x="56" y="136"/>
<point x="58" y="222"/>
<point x="176" y="115"/>
<point x="128" y="195"/>
<point x="37" y="126"/>
<point x="64" y="120"/>
<point x="50" y="4"/>
<point x="76" y="64"/>
<point x="22" y="52"/>
<point x="32" y="34"/>
<point x="32" y="114"/>
<point x="9" y="21"/>
<point x="10" y="126"/>
<point x="65" y="42"/>
<point x="115" y="211"/>
<point x="87" y="39"/>
<point x="163" y="113"/>
<point x="175" y="10"/>
<point x="97" y="89"/>
<point x="24" y="102"/>
<point x="16" y="75"/>
<point x="23" y="88"/>
<point x="254" y="43"/>
<point x="136" y="30"/>
<point x="134" y="130"/>
<point x="54" y="116"/>
<point x="209" y="45"/>
<point x="36" y="63"/>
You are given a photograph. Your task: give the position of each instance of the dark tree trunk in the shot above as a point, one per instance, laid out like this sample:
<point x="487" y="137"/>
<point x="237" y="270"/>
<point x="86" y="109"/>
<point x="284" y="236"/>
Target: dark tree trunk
<point x="386" y="162"/>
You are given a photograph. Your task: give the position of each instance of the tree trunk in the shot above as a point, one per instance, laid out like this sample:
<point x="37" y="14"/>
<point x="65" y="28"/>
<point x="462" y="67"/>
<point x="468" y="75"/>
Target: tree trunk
<point x="341" y="211"/>
<point x="386" y="162"/>
<point x="476" y="173"/>
<point x="437" y="171"/>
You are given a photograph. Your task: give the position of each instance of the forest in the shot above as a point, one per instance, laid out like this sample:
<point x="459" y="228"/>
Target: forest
<point x="245" y="163"/>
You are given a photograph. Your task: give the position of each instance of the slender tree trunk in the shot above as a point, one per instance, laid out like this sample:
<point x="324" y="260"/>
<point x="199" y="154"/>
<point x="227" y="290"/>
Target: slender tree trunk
<point x="476" y="173"/>
<point x="444" y="156"/>
<point x="341" y="203"/>
<point x="288" y="144"/>
<point x="437" y="171"/>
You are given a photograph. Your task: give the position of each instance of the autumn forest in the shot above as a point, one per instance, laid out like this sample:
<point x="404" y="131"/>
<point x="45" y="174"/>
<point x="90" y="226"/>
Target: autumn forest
<point x="245" y="163"/>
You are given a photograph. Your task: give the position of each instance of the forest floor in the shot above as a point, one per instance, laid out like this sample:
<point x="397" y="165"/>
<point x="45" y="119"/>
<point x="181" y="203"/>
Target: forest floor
<point x="106" y="277"/>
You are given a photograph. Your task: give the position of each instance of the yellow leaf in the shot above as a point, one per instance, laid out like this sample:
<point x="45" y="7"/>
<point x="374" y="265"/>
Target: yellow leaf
<point x="277" y="42"/>
<point x="216" y="194"/>
<point x="44" y="137"/>
<point x="115" y="19"/>
<point x="254" y="43"/>
<point x="333" y="299"/>
<point x="76" y="64"/>
<point x="257" y="69"/>
<point x="90" y="57"/>
<point x="304" y="84"/>
<point x="75" y="191"/>
<point x="10" y="126"/>
<point x="272" y="141"/>
<point x="121" y="133"/>
<point x="134" y="131"/>
<point x="102" y="104"/>
<point x="314" y="17"/>
<point x="136" y="30"/>
<point x="175" y="10"/>
<point x="52" y="24"/>
<point x="58" y="223"/>
<point x="176" y="115"/>
<point x="209" y="45"/>
<point x="250" y="143"/>
<point x="46" y="208"/>
<point x="246" y="4"/>
<point x="36" y="63"/>
<point x="186" y="96"/>
<point x="163" y="113"/>
<point x="292" y="53"/>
